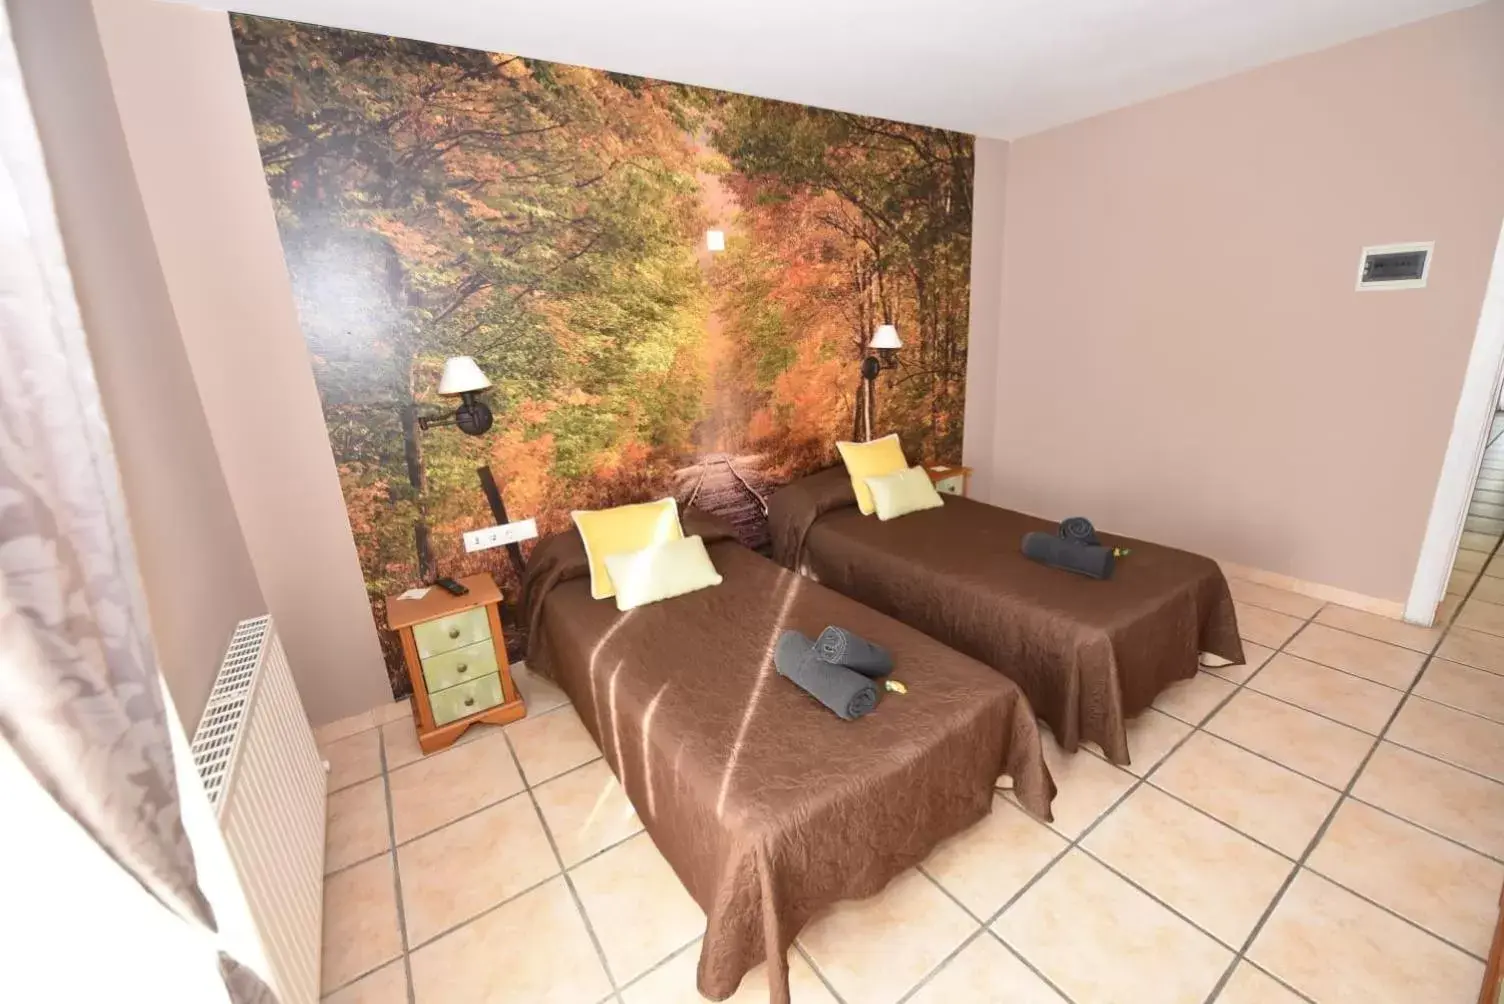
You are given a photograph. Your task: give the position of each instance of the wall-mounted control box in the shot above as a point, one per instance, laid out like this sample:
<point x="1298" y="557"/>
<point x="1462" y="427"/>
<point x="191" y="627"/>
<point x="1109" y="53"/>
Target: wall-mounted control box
<point x="495" y="536"/>
<point x="1395" y="266"/>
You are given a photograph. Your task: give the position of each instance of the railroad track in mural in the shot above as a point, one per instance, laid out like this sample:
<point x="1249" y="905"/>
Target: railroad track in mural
<point x="732" y="488"/>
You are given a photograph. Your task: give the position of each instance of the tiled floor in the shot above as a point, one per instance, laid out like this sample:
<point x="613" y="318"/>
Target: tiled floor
<point x="1324" y="824"/>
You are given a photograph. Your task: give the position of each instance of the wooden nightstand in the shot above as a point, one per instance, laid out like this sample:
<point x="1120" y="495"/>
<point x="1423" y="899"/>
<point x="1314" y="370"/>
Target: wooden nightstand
<point x="950" y="480"/>
<point x="457" y="659"/>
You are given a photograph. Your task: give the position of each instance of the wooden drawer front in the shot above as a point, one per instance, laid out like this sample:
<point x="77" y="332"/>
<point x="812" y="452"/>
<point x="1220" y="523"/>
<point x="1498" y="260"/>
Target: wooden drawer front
<point x="466" y="699"/>
<point x="953" y="485"/>
<point x="453" y="668"/>
<point x="449" y="633"/>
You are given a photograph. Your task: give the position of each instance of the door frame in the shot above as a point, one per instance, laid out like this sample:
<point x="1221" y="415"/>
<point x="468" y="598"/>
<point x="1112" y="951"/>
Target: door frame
<point x="1481" y="386"/>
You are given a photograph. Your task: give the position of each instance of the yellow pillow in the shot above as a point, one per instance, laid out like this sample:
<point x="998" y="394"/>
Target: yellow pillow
<point x="625" y="528"/>
<point x="868" y="460"/>
<point x="903" y="492"/>
<point x="661" y="572"/>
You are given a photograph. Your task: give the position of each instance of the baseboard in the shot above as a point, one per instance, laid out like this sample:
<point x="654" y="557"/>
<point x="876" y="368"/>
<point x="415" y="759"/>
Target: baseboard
<point x="1393" y="609"/>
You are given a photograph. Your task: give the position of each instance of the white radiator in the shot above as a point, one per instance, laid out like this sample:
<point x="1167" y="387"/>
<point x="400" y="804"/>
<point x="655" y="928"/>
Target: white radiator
<point x="261" y="768"/>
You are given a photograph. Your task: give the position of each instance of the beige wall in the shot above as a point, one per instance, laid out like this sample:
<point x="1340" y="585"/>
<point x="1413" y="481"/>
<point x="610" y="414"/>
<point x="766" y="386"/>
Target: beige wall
<point x="183" y="110"/>
<point x="1181" y="353"/>
<point x="197" y="574"/>
<point x="990" y="176"/>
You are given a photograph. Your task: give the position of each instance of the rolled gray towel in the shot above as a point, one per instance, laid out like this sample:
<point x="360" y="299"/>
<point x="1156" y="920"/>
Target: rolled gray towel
<point x="840" y="647"/>
<point x="846" y="692"/>
<point x="1078" y="529"/>
<point x="1083" y="559"/>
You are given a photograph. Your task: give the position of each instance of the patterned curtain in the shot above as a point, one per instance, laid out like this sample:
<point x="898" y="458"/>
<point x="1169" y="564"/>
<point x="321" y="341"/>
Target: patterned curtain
<point x="80" y="698"/>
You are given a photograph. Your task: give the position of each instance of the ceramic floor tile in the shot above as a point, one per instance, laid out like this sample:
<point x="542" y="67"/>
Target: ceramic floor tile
<point x="1449" y="890"/>
<point x="1280" y="600"/>
<point x="987" y="863"/>
<point x="1474" y="541"/>
<point x="1478" y="615"/>
<point x="1473" y="648"/>
<point x="638" y="908"/>
<point x="454" y="873"/>
<point x="674" y="983"/>
<point x="450" y="784"/>
<point x="1085" y="785"/>
<point x="1349" y="699"/>
<point x="398" y="711"/>
<point x="1249" y="985"/>
<point x="1151" y="736"/>
<point x="532" y="950"/>
<point x="1450" y="735"/>
<point x="1437" y="796"/>
<point x="332" y="732"/>
<point x="1304" y="742"/>
<point x="1206" y="871"/>
<point x="586" y="811"/>
<point x="353" y="759"/>
<point x="1192" y="700"/>
<point x="357" y="825"/>
<point x="1472" y="561"/>
<point x="401" y="741"/>
<point x="1265" y="627"/>
<point x="1487" y="588"/>
<point x="875" y="950"/>
<point x="1381" y="662"/>
<point x="387" y="985"/>
<point x="1483" y="524"/>
<point x="1480" y="507"/>
<point x="1264" y="800"/>
<point x="1463" y="688"/>
<point x="1459" y="581"/>
<point x="1396" y="632"/>
<point x="547" y="745"/>
<point x="360" y="922"/>
<point x="1332" y="946"/>
<point x="985" y="972"/>
<point x="538" y="693"/>
<point x="1495" y="566"/>
<point x="1099" y="939"/>
<point x="1254" y="656"/>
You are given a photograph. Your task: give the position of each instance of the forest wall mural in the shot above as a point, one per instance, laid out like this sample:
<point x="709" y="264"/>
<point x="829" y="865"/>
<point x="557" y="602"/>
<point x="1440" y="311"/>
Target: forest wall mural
<point x="551" y="221"/>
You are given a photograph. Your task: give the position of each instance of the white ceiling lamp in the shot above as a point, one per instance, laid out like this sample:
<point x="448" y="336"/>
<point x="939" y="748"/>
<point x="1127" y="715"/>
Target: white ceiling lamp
<point x="715" y="240"/>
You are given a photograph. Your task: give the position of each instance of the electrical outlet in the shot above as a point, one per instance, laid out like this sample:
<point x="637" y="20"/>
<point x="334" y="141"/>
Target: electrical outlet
<point x="496" y="536"/>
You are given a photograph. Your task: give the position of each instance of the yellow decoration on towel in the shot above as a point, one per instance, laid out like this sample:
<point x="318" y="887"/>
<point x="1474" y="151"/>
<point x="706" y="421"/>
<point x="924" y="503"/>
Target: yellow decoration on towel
<point x="868" y="460"/>
<point x="895" y="687"/>
<point x="620" y="530"/>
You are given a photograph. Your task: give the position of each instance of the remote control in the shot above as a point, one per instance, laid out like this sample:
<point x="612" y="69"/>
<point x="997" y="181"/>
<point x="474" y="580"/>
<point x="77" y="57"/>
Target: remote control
<point x="451" y="587"/>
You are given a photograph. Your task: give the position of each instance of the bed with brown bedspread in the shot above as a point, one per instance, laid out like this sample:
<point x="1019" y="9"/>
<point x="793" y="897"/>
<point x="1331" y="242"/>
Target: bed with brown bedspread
<point x="1089" y="654"/>
<point x="767" y="805"/>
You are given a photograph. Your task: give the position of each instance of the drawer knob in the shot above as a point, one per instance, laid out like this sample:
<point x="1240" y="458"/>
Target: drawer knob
<point x="469" y="701"/>
<point x="454" y="632"/>
<point x="462" y="667"/>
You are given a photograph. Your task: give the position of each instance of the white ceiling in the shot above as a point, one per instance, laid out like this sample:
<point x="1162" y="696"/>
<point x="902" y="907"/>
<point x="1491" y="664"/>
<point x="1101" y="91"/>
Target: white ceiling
<point x="1001" y="68"/>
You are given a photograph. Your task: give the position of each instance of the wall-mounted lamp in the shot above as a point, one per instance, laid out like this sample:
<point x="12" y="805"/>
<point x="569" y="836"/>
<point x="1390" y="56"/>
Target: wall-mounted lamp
<point x="462" y="379"/>
<point x="886" y="343"/>
<point x="715" y="240"/>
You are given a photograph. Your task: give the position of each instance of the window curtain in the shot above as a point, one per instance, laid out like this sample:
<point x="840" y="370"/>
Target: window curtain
<point x="80" y="695"/>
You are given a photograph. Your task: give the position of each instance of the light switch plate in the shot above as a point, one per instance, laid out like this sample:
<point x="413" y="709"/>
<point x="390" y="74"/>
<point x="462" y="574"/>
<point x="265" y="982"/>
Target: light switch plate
<point x="496" y="536"/>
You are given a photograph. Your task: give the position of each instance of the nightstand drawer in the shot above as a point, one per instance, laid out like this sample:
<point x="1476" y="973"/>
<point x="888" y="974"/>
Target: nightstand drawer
<point x="466" y="699"/>
<point x="449" y="633"/>
<point x="453" y="668"/>
<point x="953" y="485"/>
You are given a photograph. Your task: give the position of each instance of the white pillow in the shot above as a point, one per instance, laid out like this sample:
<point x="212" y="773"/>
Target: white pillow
<point x="903" y="492"/>
<point x="661" y="571"/>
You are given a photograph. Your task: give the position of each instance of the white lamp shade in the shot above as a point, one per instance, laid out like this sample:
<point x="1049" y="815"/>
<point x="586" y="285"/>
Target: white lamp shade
<point x="461" y="375"/>
<point x="715" y="240"/>
<point x="886" y="337"/>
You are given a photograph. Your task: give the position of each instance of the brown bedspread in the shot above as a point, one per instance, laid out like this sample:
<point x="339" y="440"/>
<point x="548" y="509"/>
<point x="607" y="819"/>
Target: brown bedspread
<point x="767" y="805"/>
<point x="1088" y="654"/>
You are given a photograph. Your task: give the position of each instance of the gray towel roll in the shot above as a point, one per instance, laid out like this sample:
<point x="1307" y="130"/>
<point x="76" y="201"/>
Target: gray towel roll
<point x="846" y="692"/>
<point x="1078" y="529"/>
<point x="841" y="647"/>
<point x="1083" y="559"/>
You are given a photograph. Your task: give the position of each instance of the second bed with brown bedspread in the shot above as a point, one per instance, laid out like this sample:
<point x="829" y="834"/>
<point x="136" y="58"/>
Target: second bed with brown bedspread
<point x="767" y="806"/>
<point x="1089" y="654"/>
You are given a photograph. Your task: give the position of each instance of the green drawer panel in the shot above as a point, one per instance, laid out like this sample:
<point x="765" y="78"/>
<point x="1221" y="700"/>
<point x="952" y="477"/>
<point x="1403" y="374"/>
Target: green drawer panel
<point x="449" y="633"/>
<point x="453" y="668"/>
<point x="466" y="699"/>
<point x="952" y="485"/>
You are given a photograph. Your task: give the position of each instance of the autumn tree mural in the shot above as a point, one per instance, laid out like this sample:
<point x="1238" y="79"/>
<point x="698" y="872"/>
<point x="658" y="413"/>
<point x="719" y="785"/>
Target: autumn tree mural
<point x="550" y="221"/>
